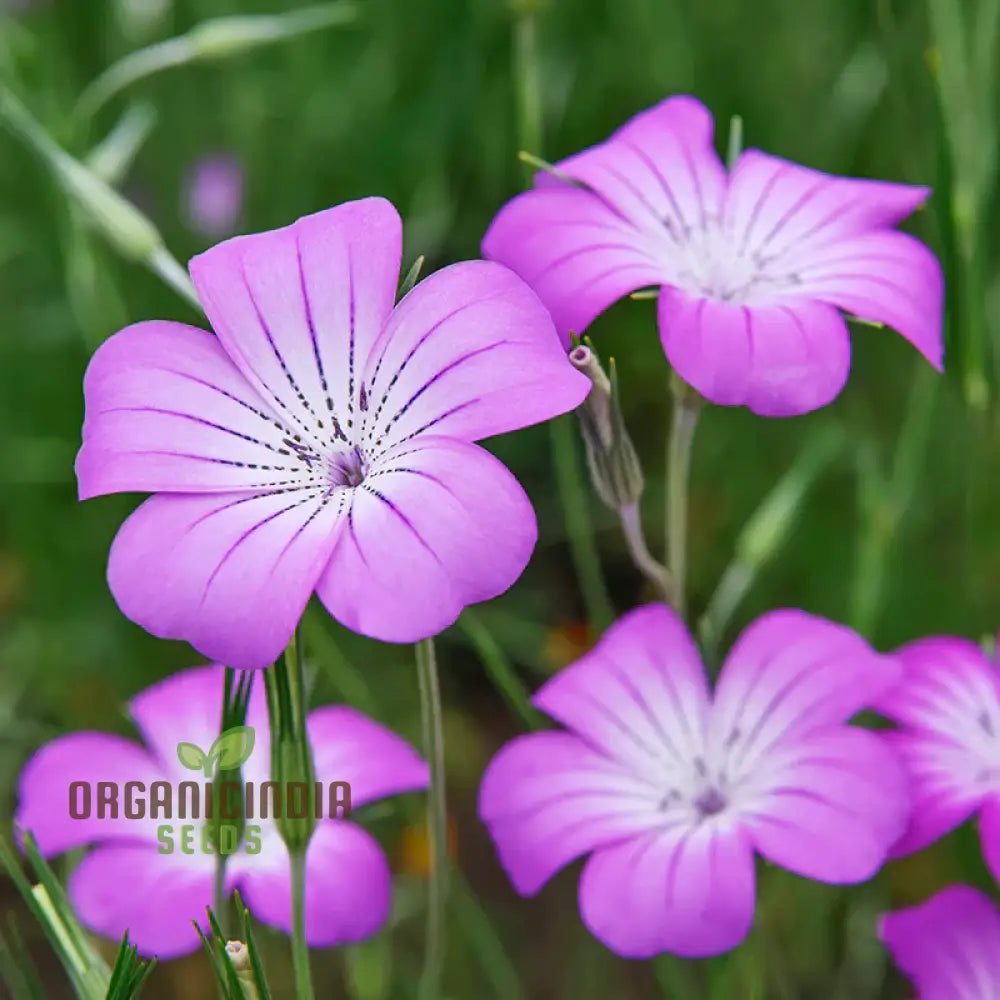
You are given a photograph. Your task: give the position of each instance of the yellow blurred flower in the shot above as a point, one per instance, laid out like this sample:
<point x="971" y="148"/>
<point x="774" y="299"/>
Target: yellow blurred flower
<point x="565" y="643"/>
<point x="413" y="852"/>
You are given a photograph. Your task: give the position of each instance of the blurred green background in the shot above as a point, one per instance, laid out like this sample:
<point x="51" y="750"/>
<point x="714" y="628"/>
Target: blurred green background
<point x="897" y="534"/>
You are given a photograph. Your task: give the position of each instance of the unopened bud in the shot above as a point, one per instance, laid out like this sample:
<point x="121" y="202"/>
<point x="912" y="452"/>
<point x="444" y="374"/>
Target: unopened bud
<point x="239" y="959"/>
<point x="291" y="753"/>
<point x="292" y="768"/>
<point x="611" y="457"/>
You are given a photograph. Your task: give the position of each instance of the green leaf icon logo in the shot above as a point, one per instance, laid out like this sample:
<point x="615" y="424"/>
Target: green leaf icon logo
<point x="231" y="750"/>
<point x="190" y="756"/>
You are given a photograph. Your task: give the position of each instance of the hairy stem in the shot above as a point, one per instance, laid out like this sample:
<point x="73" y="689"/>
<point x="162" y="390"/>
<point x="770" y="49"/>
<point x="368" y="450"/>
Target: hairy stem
<point x="643" y="559"/>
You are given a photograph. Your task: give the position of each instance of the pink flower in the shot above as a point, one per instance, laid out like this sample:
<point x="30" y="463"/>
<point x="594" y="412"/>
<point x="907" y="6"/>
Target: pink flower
<point x="949" y="946"/>
<point x="213" y="194"/>
<point x="322" y="440"/>
<point x="947" y="705"/>
<point x="753" y="265"/>
<point x="671" y="790"/>
<point x="128" y="882"/>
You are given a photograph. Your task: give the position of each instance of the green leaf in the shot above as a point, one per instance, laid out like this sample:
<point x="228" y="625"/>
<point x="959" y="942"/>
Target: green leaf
<point x="232" y="749"/>
<point x="411" y="278"/>
<point x="190" y="756"/>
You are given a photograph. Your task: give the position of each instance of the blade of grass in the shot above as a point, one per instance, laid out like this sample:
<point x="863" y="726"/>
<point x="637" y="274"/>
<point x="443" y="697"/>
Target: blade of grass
<point x="499" y="668"/>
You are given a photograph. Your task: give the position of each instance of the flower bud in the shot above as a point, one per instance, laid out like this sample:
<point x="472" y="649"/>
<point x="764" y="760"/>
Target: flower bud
<point x="611" y="457"/>
<point x="239" y="959"/>
<point x="291" y="753"/>
<point x="292" y="766"/>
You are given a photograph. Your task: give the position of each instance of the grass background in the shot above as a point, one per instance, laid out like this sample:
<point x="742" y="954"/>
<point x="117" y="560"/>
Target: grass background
<point x="899" y="535"/>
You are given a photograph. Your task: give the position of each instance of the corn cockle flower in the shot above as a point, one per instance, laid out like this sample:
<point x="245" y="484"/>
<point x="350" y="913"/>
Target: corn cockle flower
<point x="213" y="194"/>
<point x="322" y="440"/>
<point x="671" y="790"/>
<point x="753" y="264"/>
<point x="949" y="946"/>
<point x="947" y="705"/>
<point x="150" y="877"/>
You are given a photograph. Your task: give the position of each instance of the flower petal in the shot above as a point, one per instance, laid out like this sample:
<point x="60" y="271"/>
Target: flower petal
<point x="187" y="706"/>
<point x="168" y="411"/>
<point x="689" y="891"/>
<point x="640" y="696"/>
<point x="943" y="787"/>
<point x="436" y="525"/>
<point x="348" y="884"/>
<point x="989" y="834"/>
<point x="829" y="805"/>
<point x="657" y="178"/>
<point x="153" y="896"/>
<point x="948" y="946"/>
<point x="660" y="169"/>
<point x="888" y="277"/>
<point x="548" y="798"/>
<point x="348" y="746"/>
<point x="470" y="352"/>
<point x="948" y="704"/>
<point x="44" y="791"/>
<point x="788" y="674"/>
<point x="299" y="308"/>
<point x="779" y="360"/>
<point x="775" y="207"/>
<point x="576" y="252"/>
<point x="949" y="689"/>
<point x="231" y="574"/>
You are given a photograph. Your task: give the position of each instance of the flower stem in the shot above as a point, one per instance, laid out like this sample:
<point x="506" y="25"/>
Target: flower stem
<point x="291" y="761"/>
<point x="437" y="820"/>
<point x="685" y="419"/>
<point x="300" y="948"/>
<point x="220" y="900"/>
<point x="641" y="556"/>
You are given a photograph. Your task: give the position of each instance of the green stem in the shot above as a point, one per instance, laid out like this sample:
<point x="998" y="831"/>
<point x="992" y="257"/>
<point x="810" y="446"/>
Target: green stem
<point x="291" y="760"/>
<point x="579" y="529"/>
<point x="569" y="476"/>
<point x="300" y="948"/>
<point x="682" y="428"/>
<point x="437" y="820"/>
<point x="220" y="899"/>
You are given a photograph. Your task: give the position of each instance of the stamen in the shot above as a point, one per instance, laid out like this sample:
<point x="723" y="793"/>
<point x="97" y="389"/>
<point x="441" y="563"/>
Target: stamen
<point x="710" y="802"/>
<point x="348" y="468"/>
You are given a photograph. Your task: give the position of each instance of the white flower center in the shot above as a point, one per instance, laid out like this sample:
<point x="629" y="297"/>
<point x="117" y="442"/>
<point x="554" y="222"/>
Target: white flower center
<point x="711" y="262"/>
